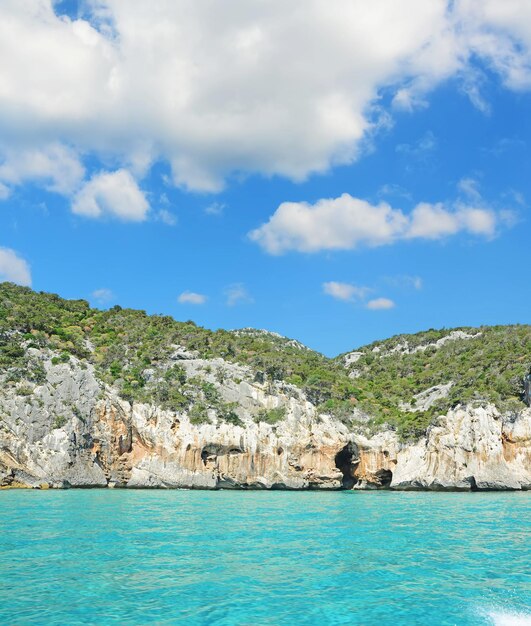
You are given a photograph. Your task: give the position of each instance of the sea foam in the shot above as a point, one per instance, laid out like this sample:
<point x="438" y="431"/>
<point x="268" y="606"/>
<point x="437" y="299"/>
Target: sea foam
<point x="508" y="618"/>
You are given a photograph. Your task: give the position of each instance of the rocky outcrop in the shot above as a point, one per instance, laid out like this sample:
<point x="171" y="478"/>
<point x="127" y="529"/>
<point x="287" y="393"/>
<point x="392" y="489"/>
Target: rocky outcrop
<point x="144" y="446"/>
<point x="470" y="448"/>
<point x="73" y="431"/>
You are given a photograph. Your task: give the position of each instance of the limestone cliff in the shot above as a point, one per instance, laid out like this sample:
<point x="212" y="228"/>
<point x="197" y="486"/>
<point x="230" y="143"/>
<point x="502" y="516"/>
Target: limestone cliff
<point x="72" y="430"/>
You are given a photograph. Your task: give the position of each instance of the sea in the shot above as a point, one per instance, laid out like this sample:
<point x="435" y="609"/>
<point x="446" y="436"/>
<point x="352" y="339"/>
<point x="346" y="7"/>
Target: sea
<point x="264" y="557"/>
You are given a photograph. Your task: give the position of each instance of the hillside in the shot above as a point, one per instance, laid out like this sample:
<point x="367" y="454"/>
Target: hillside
<point x="404" y="382"/>
<point x="414" y="378"/>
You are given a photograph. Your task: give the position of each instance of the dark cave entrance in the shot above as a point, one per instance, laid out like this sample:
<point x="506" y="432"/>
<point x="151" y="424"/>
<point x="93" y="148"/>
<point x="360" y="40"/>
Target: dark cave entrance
<point x="384" y="477"/>
<point x="346" y="461"/>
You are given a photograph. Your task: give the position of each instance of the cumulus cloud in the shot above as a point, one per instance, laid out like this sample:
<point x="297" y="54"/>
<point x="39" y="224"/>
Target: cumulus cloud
<point x="56" y="166"/>
<point x="221" y="88"/>
<point x="345" y="291"/>
<point x="435" y="221"/>
<point x="346" y="223"/>
<point x="380" y="304"/>
<point x="500" y="32"/>
<point x="190" y="297"/>
<point x="113" y="194"/>
<point x="14" y="268"/>
<point x="237" y="294"/>
<point x="329" y="224"/>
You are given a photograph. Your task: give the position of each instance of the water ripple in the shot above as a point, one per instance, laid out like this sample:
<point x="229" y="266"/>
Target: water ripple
<point x="225" y="558"/>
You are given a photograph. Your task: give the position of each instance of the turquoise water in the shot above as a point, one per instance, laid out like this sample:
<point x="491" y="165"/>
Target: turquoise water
<point x="191" y="557"/>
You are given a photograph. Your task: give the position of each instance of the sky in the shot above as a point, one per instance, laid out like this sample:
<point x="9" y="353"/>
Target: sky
<point x="335" y="172"/>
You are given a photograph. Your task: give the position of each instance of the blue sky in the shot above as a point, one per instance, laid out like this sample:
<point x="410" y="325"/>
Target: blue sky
<point x="173" y="198"/>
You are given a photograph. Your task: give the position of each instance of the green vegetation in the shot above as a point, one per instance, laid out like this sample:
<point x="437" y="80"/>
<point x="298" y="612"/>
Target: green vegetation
<point x="59" y="421"/>
<point x="486" y="368"/>
<point x="124" y="343"/>
<point x="131" y="350"/>
<point x="271" y="416"/>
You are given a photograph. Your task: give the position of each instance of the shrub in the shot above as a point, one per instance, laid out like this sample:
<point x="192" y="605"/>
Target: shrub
<point x="271" y="416"/>
<point x="59" y="421"/>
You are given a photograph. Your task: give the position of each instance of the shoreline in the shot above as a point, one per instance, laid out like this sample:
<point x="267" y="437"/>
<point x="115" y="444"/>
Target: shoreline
<point x="46" y="487"/>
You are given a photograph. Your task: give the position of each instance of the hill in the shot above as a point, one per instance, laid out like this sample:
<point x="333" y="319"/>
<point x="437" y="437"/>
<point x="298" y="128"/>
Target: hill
<point x="404" y="382"/>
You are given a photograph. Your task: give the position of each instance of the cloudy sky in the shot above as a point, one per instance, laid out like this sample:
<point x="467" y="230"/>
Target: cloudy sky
<point x="336" y="171"/>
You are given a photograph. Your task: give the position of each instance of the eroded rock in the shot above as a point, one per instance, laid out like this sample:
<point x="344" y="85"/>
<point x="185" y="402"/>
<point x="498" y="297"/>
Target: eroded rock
<point x="71" y="432"/>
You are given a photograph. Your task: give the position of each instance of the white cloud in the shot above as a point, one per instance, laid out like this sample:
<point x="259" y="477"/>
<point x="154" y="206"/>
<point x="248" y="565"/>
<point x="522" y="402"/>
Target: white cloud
<point x="472" y="81"/>
<point x="56" y="166"/>
<point x="221" y="88"/>
<point x="114" y="194"/>
<point x="166" y="217"/>
<point x="14" y="268"/>
<point x="478" y="221"/>
<point x="380" y="304"/>
<point x="190" y="297"/>
<point x="237" y="294"/>
<point x="345" y="291"/>
<point x="393" y="189"/>
<point x="4" y="192"/>
<point x="215" y="208"/>
<point x="329" y="224"/>
<point x="500" y="32"/>
<point x="352" y="293"/>
<point x="434" y="221"/>
<point x="103" y="295"/>
<point x="469" y="187"/>
<point x="346" y="223"/>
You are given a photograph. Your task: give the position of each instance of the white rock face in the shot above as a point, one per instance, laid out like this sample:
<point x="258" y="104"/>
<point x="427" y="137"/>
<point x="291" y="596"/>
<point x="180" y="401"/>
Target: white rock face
<point x="69" y="431"/>
<point x="472" y="448"/>
<point x="352" y="357"/>
<point x="427" y="398"/>
<point x="405" y="348"/>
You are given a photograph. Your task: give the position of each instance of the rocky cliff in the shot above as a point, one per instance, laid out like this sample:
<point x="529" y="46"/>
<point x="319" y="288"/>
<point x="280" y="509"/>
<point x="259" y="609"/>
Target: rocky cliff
<point x="72" y="430"/>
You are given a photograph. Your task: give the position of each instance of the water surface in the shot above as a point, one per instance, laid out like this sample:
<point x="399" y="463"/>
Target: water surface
<point x="195" y="557"/>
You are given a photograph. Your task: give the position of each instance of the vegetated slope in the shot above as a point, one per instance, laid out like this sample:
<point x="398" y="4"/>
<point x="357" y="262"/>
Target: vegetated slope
<point x="415" y="378"/>
<point x="133" y="352"/>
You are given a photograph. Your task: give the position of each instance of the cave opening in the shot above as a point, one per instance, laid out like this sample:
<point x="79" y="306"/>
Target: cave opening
<point x="346" y="461"/>
<point x="473" y="483"/>
<point x="384" y="476"/>
<point x="207" y="454"/>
